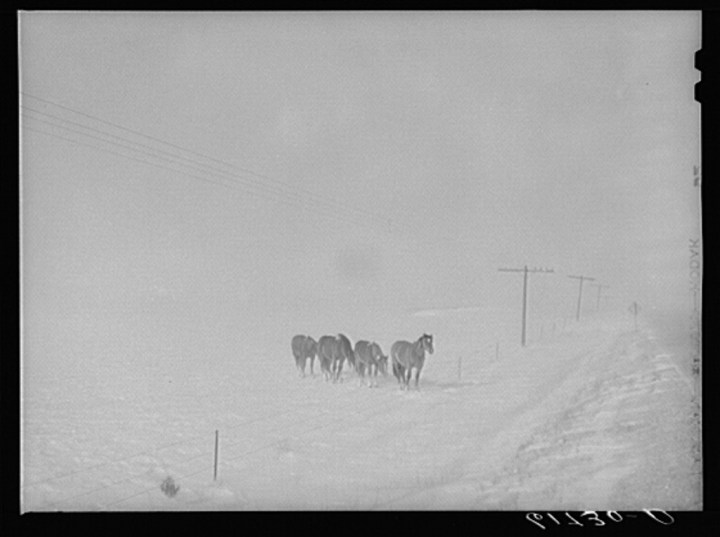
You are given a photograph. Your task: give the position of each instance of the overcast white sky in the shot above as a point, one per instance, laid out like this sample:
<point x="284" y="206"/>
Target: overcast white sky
<point x="416" y="153"/>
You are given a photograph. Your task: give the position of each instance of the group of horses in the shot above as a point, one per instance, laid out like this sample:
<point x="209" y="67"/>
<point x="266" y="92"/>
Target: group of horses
<point x="366" y="359"/>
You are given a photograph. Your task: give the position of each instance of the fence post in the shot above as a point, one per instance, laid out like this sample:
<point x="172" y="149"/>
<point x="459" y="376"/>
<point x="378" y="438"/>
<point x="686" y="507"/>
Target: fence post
<point x="216" y="456"/>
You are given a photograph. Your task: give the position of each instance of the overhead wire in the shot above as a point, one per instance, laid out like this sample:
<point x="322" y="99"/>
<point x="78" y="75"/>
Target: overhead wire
<point x="255" y="188"/>
<point x="233" y="186"/>
<point x="277" y="183"/>
<point x="198" y="166"/>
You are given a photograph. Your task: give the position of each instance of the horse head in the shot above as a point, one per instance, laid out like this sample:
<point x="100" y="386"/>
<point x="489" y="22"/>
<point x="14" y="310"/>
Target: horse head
<point x="380" y="358"/>
<point x="426" y="342"/>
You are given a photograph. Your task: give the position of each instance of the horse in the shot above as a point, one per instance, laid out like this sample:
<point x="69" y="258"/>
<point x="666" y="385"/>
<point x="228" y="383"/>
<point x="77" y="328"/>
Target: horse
<point x="346" y="353"/>
<point x="406" y="356"/>
<point x="304" y="347"/>
<point x="369" y="356"/>
<point x="398" y="371"/>
<point x="326" y="351"/>
<point x="332" y="352"/>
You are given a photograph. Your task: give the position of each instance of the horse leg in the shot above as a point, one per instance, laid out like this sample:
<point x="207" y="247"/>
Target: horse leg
<point x="336" y="369"/>
<point x="417" y="378"/>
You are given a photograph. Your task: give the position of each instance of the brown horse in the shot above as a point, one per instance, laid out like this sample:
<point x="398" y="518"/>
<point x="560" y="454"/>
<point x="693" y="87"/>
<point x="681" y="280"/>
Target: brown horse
<point x="346" y="352"/>
<point x="332" y="352"/>
<point x="326" y="352"/>
<point x="369" y="357"/>
<point x="406" y="356"/>
<point x="304" y="347"/>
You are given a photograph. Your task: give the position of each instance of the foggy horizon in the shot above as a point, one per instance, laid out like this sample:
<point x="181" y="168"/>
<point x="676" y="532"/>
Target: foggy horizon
<point x="378" y="165"/>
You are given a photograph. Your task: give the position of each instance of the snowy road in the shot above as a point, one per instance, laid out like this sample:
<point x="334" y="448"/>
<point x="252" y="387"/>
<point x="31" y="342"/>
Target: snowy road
<point x="598" y="418"/>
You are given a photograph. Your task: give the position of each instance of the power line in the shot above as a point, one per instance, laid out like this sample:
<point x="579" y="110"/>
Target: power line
<point x="64" y="120"/>
<point x="199" y="165"/>
<point x="123" y="128"/>
<point x="250" y="184"/>
<point x="251" y="188"/>
<point x="278" y="183"/>
<point x="301" y="252"/>
<point x="125" y="156"/>
<point x="325" y="214"/>
<point x="289" y="197"/>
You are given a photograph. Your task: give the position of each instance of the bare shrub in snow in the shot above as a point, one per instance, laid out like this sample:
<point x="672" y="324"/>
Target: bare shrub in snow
<point x="169" y="488"/>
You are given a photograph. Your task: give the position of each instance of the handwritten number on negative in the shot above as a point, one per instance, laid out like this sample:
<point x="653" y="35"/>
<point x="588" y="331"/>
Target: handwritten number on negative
<point x="595" y="518"/>
<point x="665" y="515"/>
<point x="535" y="518"/>
<point x="574" y="522"/>
<point x="658" y="515"/>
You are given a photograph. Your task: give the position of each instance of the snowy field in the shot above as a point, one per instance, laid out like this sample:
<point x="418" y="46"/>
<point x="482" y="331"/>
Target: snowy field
<point x="591" y="415"/>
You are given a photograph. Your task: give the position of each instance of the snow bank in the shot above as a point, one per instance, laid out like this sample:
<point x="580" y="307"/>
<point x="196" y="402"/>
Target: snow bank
<point x="595" y="416"/>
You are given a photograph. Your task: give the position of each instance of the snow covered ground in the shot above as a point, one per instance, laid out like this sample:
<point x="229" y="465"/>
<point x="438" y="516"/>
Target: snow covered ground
<point x="593" y="416"/>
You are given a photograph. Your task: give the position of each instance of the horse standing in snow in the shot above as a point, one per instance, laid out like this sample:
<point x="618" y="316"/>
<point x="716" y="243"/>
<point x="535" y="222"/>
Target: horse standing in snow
<point x="332" y="352"/>
<point x="346" y="350"/>
<point x="346" y="354"/>
<point x="326" y="351"/>
<point x="369" y="357"/>
<point x="304" y="347"/>
<point x="407" y="356"/>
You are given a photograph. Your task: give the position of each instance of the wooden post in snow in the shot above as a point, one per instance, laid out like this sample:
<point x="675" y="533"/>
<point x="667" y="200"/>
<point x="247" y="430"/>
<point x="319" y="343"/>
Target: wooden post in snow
<point x="216" y="456"/>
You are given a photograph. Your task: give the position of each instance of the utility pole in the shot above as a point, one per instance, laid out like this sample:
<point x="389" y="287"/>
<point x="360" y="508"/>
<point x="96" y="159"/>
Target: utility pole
<point x="600" y="288"/>
<point x="582" y="279"/>
<point x="525" y="272"/>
